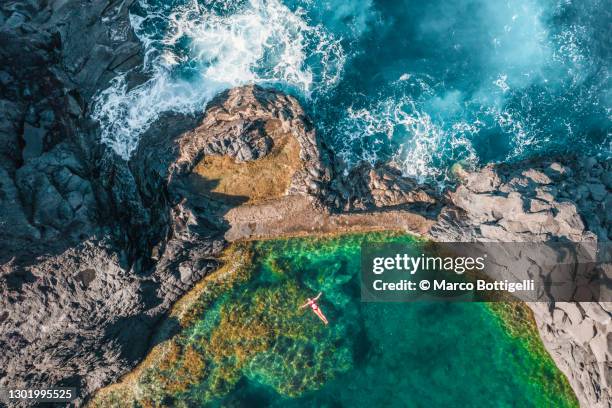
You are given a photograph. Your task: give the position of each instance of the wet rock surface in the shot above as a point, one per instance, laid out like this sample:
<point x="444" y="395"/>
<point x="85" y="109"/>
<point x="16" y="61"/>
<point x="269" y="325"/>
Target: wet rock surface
<point x="95" y="249"/>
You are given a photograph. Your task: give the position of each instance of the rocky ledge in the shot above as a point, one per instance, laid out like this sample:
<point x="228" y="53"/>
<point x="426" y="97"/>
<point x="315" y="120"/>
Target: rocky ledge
<point x="543" y="201"/>
<point x="95" y="250"/>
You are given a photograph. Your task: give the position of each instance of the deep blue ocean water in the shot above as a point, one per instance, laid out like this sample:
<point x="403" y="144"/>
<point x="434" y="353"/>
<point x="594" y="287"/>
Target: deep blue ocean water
<point x="425" y="84"/>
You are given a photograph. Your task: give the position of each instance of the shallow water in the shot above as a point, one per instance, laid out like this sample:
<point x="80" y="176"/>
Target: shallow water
<point x="426" y="84"/>
<point x="244" y="342"/>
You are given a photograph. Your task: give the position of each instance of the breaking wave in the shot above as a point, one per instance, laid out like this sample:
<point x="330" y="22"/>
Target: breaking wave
<point x="418" y="145"/>
<point x="425" y="85"/>
<point x="514" y="80"/>
<point x="194" y="51"/>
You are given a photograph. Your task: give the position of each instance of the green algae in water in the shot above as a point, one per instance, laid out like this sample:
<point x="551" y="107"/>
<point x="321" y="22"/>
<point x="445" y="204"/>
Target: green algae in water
<point x="251" y="345"/>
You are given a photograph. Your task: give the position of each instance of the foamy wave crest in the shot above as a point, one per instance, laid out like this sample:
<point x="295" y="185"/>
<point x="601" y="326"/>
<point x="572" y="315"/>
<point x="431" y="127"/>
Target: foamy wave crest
<point x="192" y="52"/>
<point x="420" y="147"/>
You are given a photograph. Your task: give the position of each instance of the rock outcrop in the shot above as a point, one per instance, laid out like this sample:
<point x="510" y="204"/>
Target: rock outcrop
<point x="100" y="248"/>
<point x="82" y="281"/>
<point x="368" y="187"/>
<point x="238" y="124"/>
<point x="535" y="200"/>
<point x="543" y="201"/>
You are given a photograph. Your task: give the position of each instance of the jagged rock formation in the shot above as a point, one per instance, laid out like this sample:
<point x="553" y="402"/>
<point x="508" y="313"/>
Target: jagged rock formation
<point x="369" y="187"/>
<point x="238" y="124"/>
<point x="99" y="248"/>
<point x="79" y="290"/>
<point x="546" y="201"/>
<point x="536" y="200"/>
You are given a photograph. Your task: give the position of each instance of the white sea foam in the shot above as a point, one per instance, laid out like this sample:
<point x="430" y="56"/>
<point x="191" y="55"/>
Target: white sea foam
<point x="421" y="147"/>
<point x="501" y="83"/>
<point x="404" y="77"/>
<point x="196" y="50"/>
<point x="202" y="52"/>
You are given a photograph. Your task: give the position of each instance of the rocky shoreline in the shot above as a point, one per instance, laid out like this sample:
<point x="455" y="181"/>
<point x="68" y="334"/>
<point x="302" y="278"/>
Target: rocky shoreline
<point x="96" y="249"/>
<point x="546" y="201"/>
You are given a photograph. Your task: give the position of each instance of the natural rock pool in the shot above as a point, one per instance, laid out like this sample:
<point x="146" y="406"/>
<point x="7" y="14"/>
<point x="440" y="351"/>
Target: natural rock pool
<point x="240" y="339"/>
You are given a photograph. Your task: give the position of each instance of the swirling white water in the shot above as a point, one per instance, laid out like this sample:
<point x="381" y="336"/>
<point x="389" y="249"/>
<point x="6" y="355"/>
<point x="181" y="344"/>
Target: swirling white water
<point x="425" y="84"/>
<point x="195" y="50"/>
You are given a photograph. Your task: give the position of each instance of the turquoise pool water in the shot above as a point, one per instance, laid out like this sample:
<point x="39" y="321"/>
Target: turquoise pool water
<point x="244" y="342"/>
<point x="401" y="355"/>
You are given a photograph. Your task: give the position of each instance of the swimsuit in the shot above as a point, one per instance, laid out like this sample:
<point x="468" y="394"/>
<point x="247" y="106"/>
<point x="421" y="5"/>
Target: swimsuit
<point x="315" y="308"/>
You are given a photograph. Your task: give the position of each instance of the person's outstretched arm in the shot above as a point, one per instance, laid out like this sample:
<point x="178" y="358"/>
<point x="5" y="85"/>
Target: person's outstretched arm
<point x="318" y="296"/>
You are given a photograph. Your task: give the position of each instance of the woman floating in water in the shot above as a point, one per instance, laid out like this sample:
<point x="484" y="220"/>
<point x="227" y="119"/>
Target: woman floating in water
<point x="315" y="308"/>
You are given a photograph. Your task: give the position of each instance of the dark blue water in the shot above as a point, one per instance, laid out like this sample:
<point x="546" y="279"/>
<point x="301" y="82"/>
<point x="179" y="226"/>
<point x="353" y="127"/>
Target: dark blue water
<point x="441" y="81"/>
<point x="425" y="84"/>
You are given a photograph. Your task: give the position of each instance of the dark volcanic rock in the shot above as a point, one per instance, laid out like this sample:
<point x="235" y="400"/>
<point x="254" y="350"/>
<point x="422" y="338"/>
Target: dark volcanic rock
<point x="382" y="186"/>
<point x="73" y="293"/>
<point x="101" y="247"/>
